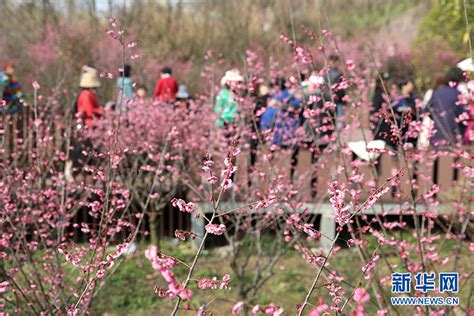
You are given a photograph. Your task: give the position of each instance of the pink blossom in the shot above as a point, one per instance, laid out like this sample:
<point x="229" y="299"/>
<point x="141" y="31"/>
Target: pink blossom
<point x="207" y="165"/>
<point x="350" y="64"/>
<point x="255" y="310"/>
<point x="318" y="310"/>
<point x="361" y="295"/>
<point x="165" y="266"/>
<point x="207" y="283"/>
<point x="132" y="44"/>
<point x="4" y="286"/>
<point x="238" y="307"/>
<point x="113" y="22"/>
<point x="183" y="206"/>
<point x="215" y="229"/>
<point x="100" y="274"/>
<point x="212" y="179"/>
<point x="371" y="264"/>
<point x="182" y="235"/>
<point x="151" y="252"/>
<point x="226" y="184"/>
<point x="375" y="197"/>
<point x="225" y="282"/>
<point x="341" y="212"/>
<point x="136" y="56"/>
<point x="113" y="35"/>
<point x="73" y="312"/>
<point x="272" y="309"/>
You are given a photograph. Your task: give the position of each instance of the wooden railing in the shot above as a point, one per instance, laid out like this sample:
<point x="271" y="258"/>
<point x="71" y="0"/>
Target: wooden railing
<point x="441" y="172"/>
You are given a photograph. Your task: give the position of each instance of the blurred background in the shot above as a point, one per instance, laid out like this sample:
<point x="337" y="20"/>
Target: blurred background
<point x="50" y="40"/>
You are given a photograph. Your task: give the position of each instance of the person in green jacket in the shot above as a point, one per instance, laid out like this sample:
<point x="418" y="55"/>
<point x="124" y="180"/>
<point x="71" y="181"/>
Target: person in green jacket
<point x="226" y="105"/>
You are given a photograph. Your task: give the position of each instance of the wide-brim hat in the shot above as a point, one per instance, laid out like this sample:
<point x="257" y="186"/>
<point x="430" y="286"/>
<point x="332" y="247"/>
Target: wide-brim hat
<point x="182" y="92"/>
<point x="466" y="65"/>
<point x="362" y="149"/>
<point x="89" y="78"/>
<point x="232" y="75"/>
<point x="316" y="80"/>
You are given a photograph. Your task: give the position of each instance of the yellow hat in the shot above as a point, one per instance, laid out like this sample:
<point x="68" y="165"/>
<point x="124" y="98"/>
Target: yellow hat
<point x="89" y="78"/>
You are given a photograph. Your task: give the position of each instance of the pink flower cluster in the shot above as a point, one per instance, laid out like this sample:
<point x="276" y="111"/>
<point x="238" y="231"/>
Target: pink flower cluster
<point x="165" y="266"/>
<point x="69" y="258"/>
<point x="269" y="309"/>
<point x="215" y="229"/>
<point x="182" y="235"/>
<point x="183" y="206"/>
<point x="361" y="296"/>
<point x="213" y="284"/>
<point x="342" y="212"/>
<point x="371" y="264"/>
<point x="375" y="197"/>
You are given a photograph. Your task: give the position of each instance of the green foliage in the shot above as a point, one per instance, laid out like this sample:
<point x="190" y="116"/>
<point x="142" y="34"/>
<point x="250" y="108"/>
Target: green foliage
<point x="446" y="23"/>
<point x="442" y="39"/>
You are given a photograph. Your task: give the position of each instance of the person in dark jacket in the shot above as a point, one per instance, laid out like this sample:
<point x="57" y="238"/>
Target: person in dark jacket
<point x="319" y="126"/>
<point x="405" y="109"/>
<point x="444" y="109"/>
<point x="334" y="78"/>
<point x="261" y="95"/>
<point x="380" y="117"/>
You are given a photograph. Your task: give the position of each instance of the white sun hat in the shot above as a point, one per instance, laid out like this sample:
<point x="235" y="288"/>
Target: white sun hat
<point x="361" y="149"/>
<point x="466" y="65"/>
<point x="232" y="75"/>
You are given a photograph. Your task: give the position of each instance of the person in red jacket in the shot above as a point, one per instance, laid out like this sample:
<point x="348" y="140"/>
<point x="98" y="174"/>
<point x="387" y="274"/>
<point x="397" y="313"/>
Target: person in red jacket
<point x="167" y="87"/>
<point x="87" y="102"/>
<point x="87" y="108"/>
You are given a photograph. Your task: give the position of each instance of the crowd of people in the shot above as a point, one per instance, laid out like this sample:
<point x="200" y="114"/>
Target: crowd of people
<point x="440" y="105"/>
<point x="305" y="112"/>
<point x="127" y="91"/>
<point x="295" y="112"/>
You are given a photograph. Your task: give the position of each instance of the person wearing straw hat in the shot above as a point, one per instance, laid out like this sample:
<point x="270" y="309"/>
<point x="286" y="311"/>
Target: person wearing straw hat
<point x="87" y="107"/>
<point x="87" y="102"/>
<point x="226" y="105"/>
